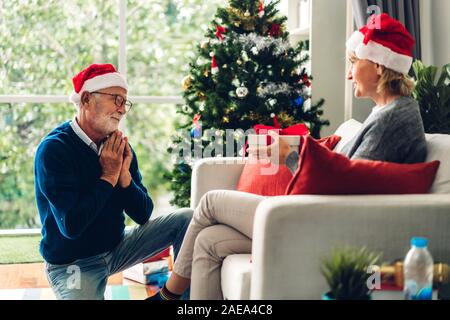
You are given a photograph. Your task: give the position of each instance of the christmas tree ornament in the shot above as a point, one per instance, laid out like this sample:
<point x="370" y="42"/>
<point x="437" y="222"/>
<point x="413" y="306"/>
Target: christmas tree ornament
<point x="214" y="66"/>
<point x="225" y="119"/>
<point x="202" y="106"/>
<point x="239" y="62"/>
<point x="259" y="90"/>
<point x="272" y="102"/>
<point x="206" y="73"/>
<point x="244" y="55"/>
<point x="274" y="30"/>
<point x="236" y="82"/>
<point x="254" y="50"/>
<point x="219" y="32"/>
<point x="201" y="95"/>
<point x="299" y="102"/>
<point x="196" y="131"/>
<point x="285" y="119"/>
<point x="186" y="82"/>
<point x="306" y="81"/>
<point x="242" y="92"/>
<point x="224" y="66"/>
<point x="261" y="9"/>
<point x="247" y="14"/>
<point x="185" y="108"/>
<point x="296" y="72"/>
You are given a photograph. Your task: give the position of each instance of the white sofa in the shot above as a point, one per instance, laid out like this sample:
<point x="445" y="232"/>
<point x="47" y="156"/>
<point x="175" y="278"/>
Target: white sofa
<point x="292" y="233"/>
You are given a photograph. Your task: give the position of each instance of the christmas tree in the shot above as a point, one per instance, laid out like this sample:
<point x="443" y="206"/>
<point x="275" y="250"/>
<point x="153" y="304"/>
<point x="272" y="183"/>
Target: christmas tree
<point x="245" y="73"/>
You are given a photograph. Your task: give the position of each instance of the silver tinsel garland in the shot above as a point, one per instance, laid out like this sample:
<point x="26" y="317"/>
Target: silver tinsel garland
<point x="256" y="43"/>
<point x="272" y="88"/>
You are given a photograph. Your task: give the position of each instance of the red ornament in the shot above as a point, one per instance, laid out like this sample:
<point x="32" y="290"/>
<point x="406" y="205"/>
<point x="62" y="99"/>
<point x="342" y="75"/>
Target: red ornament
<point x="261" y="9"/>
<point x="306" y="81"/>
<point x="274" y="30"/>
<point x="196" y="119"/>
<point x="220" y="31"/>
<point x="214" y="66"/>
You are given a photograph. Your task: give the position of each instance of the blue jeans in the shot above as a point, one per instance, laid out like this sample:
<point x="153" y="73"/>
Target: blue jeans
<point x="86" y="278"/>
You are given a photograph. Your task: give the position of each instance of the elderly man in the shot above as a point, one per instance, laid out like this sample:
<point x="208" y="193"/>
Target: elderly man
<point x="86" y="177"/>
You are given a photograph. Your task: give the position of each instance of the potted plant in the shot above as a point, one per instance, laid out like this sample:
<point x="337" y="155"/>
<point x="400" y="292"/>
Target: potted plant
<point x="345" y="271"/>
<point x="432" y="92"/>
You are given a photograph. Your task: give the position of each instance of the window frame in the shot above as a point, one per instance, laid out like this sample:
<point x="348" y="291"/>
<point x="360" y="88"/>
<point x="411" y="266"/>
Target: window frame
<point x="33" y="98"/>
<point x="141" y="99"/>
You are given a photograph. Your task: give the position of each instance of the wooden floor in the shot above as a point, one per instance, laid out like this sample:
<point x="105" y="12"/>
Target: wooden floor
<point x="32" y="275"/>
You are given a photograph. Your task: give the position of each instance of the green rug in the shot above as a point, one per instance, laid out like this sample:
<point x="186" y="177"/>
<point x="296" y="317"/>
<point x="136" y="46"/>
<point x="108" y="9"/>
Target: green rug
<point x="19" y="249"/>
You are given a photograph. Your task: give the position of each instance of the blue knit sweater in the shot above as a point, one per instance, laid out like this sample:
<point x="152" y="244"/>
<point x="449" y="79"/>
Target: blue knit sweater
<point x="81" y="214"/>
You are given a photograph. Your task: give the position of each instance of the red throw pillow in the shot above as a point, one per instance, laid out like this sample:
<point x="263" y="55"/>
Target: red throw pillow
<point x="322" y="171"/>
<point x="253" y="180"/>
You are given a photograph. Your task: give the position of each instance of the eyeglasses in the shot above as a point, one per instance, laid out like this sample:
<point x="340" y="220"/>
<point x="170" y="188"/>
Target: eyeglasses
<point x="119" y="101"/>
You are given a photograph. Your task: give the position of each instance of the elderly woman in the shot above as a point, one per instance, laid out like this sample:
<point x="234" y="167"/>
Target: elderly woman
<point x="381" y="56"/>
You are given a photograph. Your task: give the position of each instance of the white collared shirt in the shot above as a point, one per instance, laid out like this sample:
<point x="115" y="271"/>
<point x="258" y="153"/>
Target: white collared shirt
<point x="84" y="137"/>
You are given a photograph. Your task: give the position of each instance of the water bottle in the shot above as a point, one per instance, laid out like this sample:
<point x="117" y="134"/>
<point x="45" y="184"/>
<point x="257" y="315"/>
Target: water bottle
<point x="418" y="271"/>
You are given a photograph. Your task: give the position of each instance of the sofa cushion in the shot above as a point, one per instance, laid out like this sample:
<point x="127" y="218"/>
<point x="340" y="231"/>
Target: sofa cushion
<point x="322" y="171"/>
<point x="236" y="277"/>
<point x="347" y="131"/>
<point x="438" y="147"/>
<point x="266" y="179"/>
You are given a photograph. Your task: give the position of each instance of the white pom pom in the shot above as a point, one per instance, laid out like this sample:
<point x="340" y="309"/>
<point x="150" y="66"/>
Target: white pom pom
<point x="272" y="115"/>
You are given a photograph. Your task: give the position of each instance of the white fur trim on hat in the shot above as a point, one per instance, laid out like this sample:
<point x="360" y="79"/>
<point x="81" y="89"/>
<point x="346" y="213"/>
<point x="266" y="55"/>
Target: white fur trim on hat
<point x="378" y="53"/>
<point x="103" y="81"/>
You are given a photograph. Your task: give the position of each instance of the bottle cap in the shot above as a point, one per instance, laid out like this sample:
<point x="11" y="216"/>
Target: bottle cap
<point x="419" y="242"/>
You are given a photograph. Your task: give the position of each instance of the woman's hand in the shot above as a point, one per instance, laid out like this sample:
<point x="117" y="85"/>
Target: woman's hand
<point x="276" y="153"/>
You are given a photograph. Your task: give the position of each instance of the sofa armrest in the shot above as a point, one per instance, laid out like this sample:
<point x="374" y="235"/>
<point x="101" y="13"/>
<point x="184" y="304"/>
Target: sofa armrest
<point x="214" y="173"/>
<point x="292" y="233"/>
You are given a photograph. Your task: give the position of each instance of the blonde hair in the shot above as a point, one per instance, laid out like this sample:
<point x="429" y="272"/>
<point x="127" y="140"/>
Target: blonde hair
<point x="391" y="81"/>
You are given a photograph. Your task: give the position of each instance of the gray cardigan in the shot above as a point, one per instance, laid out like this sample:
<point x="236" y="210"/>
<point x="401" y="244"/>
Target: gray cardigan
<point x="394" y="133"/>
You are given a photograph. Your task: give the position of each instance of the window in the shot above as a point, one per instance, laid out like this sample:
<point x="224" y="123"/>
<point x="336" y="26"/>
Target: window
<point x="43" y="43"/>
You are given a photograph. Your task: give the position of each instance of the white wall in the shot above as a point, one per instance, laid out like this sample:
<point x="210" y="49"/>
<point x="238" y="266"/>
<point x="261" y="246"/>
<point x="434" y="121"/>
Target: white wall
<point x="440" y="10"/>
<point x="327" y="46"/>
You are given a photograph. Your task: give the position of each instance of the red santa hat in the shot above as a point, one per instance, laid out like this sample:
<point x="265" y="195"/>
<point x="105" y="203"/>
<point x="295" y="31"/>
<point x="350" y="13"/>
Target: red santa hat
<point x="385" y="41"/>
<point x="214" y="66"/>
<point x="96" y="77"/>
